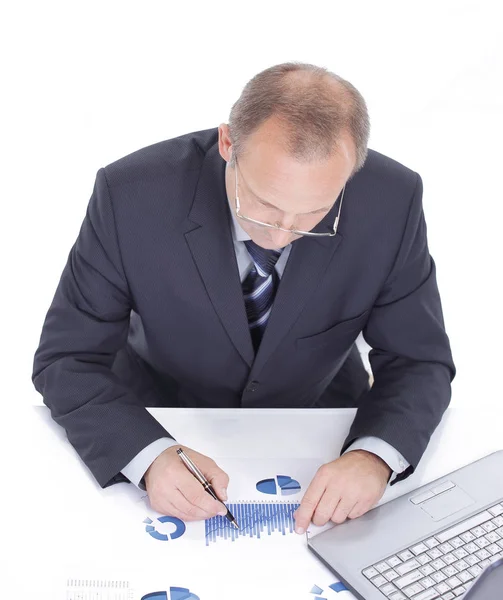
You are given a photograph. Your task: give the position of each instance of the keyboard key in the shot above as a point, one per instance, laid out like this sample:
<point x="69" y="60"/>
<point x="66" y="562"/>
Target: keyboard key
<point x="379" y="580"/>
<point x="458" y="591"/>
<point x="453" y="582"/>
<point x="393" y="561"/>
<point x="427" y="570"/>
<point x="456" y="542"/>
<point x="482" y="542"/>
<point x="442" y="588"/>
<point x="390" y="575"/>
<point x="408" y="579"/>
<point x="489" y="526"/>
<point x="472" y="559"/>
<point x="448" y="596"/>
<point x="468" y="536"/>
<point x="450" y="571"/>
<point x="498" y="521"/>
<point x="482" y="554"/>
<point x="419" y="548"/>
<point x="388" y="589"/>
<point x="430" y="594"/>
<point x="438" y="564"/>
<point x="438" y="576"/>
<point x="445" y="548"/>
<point x="370" y="572"/>
<point x="496" y="510"/>
<point x="460" y="553"/>
<point x="461" y="565"/>
<point x="492" y="537"/>
<point x="397" y="596"/>
<point x="475" y="570"/>
<point x="423" y="559"/>
<point x="413" y="589"/>
<point x="407" y="566"/>
<point x="406" y="555"/>
<point x="464" y="576"/>
<point x="471" y="548"/>
<point x="427" y="582"/>
<point x="478" y="531"/>
<point x="435" y="553"/>
<point x="449" y="559"/>
<point x="493" y="549"/>
<point x="464" y="526"/>
<point x="432" y="542"/>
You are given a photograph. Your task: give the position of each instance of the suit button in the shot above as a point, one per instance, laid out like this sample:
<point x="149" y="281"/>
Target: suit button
<point x="252" y="386"/>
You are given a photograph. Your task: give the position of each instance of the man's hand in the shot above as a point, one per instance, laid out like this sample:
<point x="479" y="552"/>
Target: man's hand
<point x="344" y="488"/>
<point x="174" y="491"/>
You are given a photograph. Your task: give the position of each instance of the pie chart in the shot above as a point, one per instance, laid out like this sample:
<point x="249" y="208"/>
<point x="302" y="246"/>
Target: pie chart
<point x="151" y="528"/>
<point x="175" y="593"/>
<point x="280" y="485"/>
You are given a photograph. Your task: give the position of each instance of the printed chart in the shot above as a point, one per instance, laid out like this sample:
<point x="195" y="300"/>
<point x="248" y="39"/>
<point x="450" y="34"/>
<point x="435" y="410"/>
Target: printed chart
<point x="175" y="593"/>
<point x="281" y="485"/>
<point x="320" y="594"/>
<point x="255" y="519"/>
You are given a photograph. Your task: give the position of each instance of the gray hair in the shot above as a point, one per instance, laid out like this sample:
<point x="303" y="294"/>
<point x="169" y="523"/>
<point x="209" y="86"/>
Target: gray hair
<point x="314" y="110"/>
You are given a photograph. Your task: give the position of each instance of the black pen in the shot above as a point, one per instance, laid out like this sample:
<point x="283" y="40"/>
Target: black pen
<point x="205" y="483"/>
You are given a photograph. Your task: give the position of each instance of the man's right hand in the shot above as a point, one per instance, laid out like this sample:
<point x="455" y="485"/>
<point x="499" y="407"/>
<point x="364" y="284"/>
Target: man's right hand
<point x="174" y="491"/>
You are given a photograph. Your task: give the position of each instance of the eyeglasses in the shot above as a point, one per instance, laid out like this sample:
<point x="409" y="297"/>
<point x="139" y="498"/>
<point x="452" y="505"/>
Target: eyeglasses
<point x="291" y="230"/>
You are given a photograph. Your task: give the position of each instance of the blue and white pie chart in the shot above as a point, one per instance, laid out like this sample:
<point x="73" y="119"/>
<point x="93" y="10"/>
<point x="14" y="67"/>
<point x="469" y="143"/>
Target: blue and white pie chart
<point x="279" y="485"/>
<point x="175" y="593"/>
<point x="176" y="528"/>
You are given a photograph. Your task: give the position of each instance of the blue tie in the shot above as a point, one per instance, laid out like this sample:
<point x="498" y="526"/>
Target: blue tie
<point x="259" y="289"/>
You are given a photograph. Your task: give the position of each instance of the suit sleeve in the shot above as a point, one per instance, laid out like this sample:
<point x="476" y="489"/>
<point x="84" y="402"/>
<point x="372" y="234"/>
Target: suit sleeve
<point x="85" y="326"/>
<point x="410" y="357"/>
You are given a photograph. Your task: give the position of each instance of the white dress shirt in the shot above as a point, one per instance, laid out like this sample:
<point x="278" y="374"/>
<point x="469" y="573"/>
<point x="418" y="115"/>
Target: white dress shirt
<point x="137" y="467"/>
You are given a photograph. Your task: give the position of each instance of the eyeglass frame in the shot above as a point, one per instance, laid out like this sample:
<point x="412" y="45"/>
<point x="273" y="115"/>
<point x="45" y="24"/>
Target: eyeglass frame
<point x="291" y="230"/>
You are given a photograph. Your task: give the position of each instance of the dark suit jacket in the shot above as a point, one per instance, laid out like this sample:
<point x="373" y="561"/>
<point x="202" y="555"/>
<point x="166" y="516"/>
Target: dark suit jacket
<point x="153" y="272"/>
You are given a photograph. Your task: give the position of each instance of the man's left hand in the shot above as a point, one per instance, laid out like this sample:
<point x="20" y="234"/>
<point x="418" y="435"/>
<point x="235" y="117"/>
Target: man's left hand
<point x="344" y="488"/>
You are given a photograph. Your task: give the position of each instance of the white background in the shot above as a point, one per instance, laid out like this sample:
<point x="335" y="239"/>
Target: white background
<point x="89" y="82"/>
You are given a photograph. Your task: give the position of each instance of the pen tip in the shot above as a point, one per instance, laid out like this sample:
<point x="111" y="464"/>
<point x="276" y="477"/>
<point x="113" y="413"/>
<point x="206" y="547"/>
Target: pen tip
<point x="235" y="524"/>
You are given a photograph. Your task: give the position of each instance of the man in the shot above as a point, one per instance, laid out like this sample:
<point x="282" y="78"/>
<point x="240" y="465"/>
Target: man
<point x="196" y="280"/>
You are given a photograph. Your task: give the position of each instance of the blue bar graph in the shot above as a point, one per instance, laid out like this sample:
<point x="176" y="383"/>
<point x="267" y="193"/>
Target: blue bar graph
<point x="254" y="519"/>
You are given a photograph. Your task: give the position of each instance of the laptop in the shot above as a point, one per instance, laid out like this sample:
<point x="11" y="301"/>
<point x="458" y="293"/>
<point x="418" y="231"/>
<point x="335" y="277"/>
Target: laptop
<point x="429" y="544"/>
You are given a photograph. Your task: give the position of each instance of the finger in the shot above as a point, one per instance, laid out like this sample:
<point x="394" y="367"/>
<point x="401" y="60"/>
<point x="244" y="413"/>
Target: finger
<point x="197" y="497"/>
<point x="181" y="504"/>
<point x="361" y="507"/>
<point x="343" y="508"/>
<point x="172" y="511"/>
<point x="219" y="480"/>
<point x="326" y="507"/>
<point x="357" y="511"/>
<point x="309" y="503"/>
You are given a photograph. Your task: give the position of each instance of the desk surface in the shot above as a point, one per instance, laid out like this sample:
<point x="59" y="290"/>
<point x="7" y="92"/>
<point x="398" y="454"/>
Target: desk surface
<point x="61" y="520"/>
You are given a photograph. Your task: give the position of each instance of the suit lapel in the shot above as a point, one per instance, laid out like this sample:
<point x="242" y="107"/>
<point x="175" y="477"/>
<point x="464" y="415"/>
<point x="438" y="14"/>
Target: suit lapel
<point x="305" y="268"/>
<point x="213" y="252"/>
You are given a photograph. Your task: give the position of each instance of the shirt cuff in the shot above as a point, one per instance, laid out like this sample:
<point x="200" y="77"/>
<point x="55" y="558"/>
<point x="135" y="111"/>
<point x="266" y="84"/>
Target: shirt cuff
<point x="137" y="467"/>
<point x="395" y="461"/>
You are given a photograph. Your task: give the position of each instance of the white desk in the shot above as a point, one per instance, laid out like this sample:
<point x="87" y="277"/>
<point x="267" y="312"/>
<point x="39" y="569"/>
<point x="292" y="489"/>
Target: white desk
<point x="60" y="520"/>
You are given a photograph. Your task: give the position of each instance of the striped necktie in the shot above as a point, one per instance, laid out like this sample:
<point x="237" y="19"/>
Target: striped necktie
<point x="259" y="289"/>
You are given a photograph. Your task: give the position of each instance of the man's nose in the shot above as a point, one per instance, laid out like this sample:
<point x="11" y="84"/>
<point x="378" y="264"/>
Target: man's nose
<point x="280" y="238"/>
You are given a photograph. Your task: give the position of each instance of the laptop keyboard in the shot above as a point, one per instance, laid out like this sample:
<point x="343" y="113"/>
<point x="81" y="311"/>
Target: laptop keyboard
<point x="444" y="566"/>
